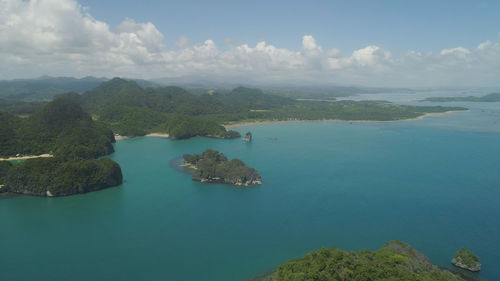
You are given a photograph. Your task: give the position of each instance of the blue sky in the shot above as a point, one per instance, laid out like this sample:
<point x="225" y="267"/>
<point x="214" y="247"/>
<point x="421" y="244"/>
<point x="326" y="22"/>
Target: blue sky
<point x="367" y="43"/>
<point x="346" y="25"/>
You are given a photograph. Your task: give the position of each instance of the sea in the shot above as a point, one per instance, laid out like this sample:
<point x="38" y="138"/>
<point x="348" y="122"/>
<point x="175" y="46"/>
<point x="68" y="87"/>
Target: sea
<point x="432" y="183"/>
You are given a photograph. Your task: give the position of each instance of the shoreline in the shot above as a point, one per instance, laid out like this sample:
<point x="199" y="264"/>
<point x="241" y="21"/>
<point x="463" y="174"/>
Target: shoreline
<point x="160" y="135"/>
<point x="250" y="123"/>
<point x="46" y="155"/>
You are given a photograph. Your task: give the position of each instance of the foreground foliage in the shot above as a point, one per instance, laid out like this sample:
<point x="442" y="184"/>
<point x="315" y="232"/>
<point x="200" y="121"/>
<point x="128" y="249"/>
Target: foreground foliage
<point x="395" y="261"/>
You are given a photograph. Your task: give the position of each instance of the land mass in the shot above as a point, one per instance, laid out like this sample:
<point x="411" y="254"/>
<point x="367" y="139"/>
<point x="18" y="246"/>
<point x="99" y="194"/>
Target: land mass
<point x="131" y="110"/>
<point x="394" y="261"/>
<point x="493" y="97"/>
<point x="213" y="167"/>
<point x="61" y="144"/>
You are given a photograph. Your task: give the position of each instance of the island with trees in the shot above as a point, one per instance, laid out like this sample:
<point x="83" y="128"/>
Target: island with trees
<point x="493" y="97"/>
<point x="213" y="167"/>
<point x="394" y="261"/>
<point x="72" y="143"/>
<point x="465" y="259"/>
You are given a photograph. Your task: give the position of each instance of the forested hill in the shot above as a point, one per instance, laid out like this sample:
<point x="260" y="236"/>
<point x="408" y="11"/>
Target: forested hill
<point x="64" y="130"/>
<point x="131" y="110"/>
<point x="61" y="128"/>
<point x="394" y="261"/>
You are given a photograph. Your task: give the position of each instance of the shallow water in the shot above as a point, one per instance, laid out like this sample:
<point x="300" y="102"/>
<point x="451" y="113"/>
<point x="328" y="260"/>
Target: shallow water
<point x="434" y="183"/>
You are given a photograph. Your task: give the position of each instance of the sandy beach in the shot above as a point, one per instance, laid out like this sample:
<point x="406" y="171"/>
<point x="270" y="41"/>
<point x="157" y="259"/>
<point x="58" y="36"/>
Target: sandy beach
<point x="160" y="135"/>
<point x="241" y="124"/>
<point x="26" y="157"/>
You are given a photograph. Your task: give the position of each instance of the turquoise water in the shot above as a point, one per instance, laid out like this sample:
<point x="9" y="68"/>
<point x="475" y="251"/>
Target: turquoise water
<point x="354" y="186"/>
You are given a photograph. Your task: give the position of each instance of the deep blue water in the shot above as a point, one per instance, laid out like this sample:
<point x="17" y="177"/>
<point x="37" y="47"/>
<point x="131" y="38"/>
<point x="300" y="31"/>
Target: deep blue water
<point x="433" y="183"/>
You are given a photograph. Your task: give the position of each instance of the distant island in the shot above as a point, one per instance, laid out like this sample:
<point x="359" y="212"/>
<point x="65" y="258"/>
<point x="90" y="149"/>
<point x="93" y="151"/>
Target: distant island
<point x="213" y="167"/>
<point x="61" y="143"/>
<point x="465" y="259"/>
<point x="394" y="261"/>
<point x="493" y="97"/>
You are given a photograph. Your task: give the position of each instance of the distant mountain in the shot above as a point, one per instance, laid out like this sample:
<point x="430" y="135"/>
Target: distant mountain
<point x="45" y="88"/>
<point x="293" y="89"/>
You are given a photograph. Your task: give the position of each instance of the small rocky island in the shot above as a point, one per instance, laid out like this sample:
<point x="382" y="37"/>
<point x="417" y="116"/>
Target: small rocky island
<point x="213" y="167"/>
<point x="465" y="259"/>
<point x="248" y="137"/>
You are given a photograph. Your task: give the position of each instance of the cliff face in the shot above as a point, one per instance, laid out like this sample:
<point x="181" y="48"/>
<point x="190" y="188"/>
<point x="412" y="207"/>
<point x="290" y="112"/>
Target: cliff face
<point x="213" y="167"/>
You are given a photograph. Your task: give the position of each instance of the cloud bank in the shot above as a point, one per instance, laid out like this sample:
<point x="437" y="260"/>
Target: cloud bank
<point x="60" y="37"/>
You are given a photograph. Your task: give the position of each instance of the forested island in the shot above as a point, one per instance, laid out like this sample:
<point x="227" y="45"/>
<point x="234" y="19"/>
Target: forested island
<point x="213" y="167"/>
<point x="493" y="97"/>
<point x="394" y="261"/>
<point x="62" y="130"/>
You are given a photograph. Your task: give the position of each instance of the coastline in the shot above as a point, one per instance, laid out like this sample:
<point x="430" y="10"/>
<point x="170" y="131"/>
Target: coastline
<point x="160" y="135"/>
<point x="250" y="123"/>
<point x="46" y="155"/>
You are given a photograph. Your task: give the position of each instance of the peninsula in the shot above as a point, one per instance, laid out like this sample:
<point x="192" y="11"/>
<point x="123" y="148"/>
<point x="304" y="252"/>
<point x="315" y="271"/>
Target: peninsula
<point x="213" y="167"/>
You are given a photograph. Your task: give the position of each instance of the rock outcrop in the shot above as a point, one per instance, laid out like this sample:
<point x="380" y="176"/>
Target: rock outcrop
<point x="465" y="259"/>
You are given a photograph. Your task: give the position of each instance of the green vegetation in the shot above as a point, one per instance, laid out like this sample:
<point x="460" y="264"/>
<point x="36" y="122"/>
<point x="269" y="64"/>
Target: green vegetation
<point x="4" y="170"/>
<point x="54" y="177"/>
<point x="493" y="97"/>
<point x="212" y="166"/>
<point x="131" y="110"/>
<point x="464" y="258"/>
<point x="395" y="261"/>
<point x="61" y="128"/>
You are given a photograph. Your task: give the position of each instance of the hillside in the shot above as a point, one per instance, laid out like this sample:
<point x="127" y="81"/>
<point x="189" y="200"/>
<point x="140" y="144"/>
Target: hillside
<point x="61" y="128"/>
<point x="64" y="130"/>
<point x="394" y="261"/>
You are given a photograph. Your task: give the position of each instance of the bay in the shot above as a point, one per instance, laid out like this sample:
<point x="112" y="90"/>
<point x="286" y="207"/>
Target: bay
<point x="433" y="183"/>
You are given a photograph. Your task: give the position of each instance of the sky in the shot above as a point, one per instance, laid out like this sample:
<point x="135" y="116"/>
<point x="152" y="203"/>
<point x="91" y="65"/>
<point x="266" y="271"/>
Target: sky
<point x="363" y="43"/>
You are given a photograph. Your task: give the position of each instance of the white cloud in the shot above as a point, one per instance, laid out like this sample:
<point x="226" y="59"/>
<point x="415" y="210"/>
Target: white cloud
<point x="60" y="37"/>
